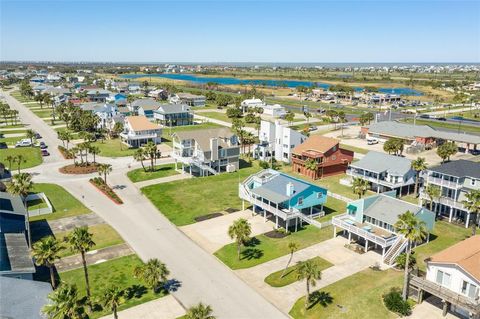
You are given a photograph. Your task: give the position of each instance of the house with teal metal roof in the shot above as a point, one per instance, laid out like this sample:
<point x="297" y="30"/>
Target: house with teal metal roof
<point x="371" y="221"/>
<point x="288" y="199"/>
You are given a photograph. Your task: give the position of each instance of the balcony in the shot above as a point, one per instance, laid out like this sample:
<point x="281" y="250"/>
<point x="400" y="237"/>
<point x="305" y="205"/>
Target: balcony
<point x="369" y="232"/>
<point x="442" y="182"/>
<point x="381" y="181"/>
<point x="443" y="200"/>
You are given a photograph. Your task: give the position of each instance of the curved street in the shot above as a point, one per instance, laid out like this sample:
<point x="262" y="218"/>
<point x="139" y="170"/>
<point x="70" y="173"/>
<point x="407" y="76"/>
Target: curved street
<point x="199" y="275"/>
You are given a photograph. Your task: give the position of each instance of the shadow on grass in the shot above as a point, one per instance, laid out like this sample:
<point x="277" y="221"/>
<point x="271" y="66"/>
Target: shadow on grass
<point x="244" y="164"/>
<point x="135" y="291"/>
<point x="251" y="252"/>
<point x="320" y="297"/>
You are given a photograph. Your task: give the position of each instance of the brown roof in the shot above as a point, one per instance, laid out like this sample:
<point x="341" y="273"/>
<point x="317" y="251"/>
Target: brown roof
<point x="465" y="254"/>
<point x="141" y="123"/>
<point x="316" y="143"/>
<point x="202" y="137"/>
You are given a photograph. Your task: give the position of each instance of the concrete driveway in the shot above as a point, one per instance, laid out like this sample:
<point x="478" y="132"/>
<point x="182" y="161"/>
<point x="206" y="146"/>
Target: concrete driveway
<point x="212" y="234"/>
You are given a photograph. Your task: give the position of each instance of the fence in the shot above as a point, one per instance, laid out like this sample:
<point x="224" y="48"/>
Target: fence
<point x="43" y="210"/>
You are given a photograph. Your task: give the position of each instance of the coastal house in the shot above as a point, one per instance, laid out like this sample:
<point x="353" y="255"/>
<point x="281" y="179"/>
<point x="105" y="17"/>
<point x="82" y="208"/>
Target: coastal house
<point x="370" y="221"/>
<point x="98" y="95"/>
<point x="274" y="110"/>
<point x="253" y="102"/>
<point x="174" y="115"/>
<point x="206" y="151"/>
<point x="138" y="130"/>
<point x="455" y="179"/>
<point x="288" y="199"/>
<point x="419" y="137"/>
<point x="145" y="107"/>
<point x="104" y="111"/>
<point x="158" y="94"/>
<point x="277" y="141"/>
<point x="453" y="279"/>
<point x="189" y="99"/>
<point x="134" y="88"/>
<point x="384" y="172"/>
<point x="15" y="259"/>
<point x="325" y="152"/>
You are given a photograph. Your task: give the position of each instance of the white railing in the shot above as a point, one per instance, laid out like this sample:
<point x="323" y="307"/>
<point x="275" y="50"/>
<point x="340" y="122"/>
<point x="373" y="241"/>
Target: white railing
<point x="340" y="222"/>
<point x="442" y="182"/>
<point x="246" y="195"/>
<point x="444" y="200"/>
<point x="396" y="249"/>
<point x="374" y="179"/>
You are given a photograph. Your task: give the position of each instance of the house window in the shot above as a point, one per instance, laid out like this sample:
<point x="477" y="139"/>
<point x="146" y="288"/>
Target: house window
<point x="300" y="201"/>
<point x="334" y="157"/>
<point x="469" y="289"/>
<point x="443" y="278"/>
<point x="319" y="195"/>
<point x="473" y="182"/>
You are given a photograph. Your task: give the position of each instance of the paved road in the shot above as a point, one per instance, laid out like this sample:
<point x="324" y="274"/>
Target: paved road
<point x="201" y="276"/>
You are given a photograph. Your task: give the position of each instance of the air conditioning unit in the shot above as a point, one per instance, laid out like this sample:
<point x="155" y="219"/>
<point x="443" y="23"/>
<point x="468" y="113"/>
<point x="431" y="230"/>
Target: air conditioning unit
<point x="231" y="168"/>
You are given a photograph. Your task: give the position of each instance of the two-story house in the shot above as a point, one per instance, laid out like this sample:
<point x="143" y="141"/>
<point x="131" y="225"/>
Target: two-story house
<point x="138" y="130"/>
<point x="325" y="152"/>
<point x="104" y="111"/>
<point x="188" y="98"/>
<point x="384" y="172"/>
<point x="206" y="151"/>
<point x="288" y="199"/>
<point x="455" y="179"/>
<point x="98" y="95"/>
<point x="371" y="222"/>
<point x="173" y="115"/>
<point x="145" y="107"/>
<point x="453" y="278"/>
<point x="277" y="141"/>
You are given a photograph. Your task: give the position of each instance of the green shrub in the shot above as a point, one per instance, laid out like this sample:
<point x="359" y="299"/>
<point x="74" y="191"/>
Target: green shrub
<point x="402" y="258"/>
<point x="394" y="302"/>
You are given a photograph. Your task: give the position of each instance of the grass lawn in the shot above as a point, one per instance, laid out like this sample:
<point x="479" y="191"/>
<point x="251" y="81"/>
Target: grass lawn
<point x="32" y="155"/>
<point x="114" y="148"/>
<point x="167" y="132"/>
<point x="410" y="198"/>
<point x="11" y="125"/>
<point x="262" y="248"/>
<point x="332" y="208"/>
<point x="275" y="280"/>
<point x="447" y="125"/>
<point x="13" y="131"/>
<point x="357" y="296"/>
<point x="11" y="140"/>
<point x="182" y="201"/>
<point x="117" y="272"/>
<point x="103" y="236"/>
<point x="36" y="204"/>
<point x="354" y="149"/>
<point x="444" y="235"/>
<point x="138" y="175"/>
<point x="216" y="116"/>
<point x="43" y="113"/>
<point x="64" y="204"/>
<point x="20" y="98"/>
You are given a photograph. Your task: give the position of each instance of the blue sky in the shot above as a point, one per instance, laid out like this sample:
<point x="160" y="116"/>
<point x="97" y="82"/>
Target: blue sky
<point x="234" y="31"/>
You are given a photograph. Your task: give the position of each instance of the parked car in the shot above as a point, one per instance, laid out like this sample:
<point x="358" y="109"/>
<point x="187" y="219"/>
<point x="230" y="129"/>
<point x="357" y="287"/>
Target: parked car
<point x="3" y="145"/>
<point x="312" y="128"/>
<point x="43" y="145"/>
<point x="45" y="152"/>
<point x="475" y="152"/>
<point x="372" y="141"/>
<point x="441" y="119"/>
<point x="424" y="116"/>
<point x="23" y="143"/>
<point x="37" y="136"/>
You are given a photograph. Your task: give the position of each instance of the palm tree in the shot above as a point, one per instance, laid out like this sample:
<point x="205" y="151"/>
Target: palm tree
<point x="240" y="231"/>
<point x="112" y="298"/>
<point x="151" y="151"/>
<point x="152" y="273"/>
<point x="80" y="241"/>
<point x="139" y="155"/>
<point x="31" y="135"/>
<point x="359" y="186"/>
<point x="104" y="169"/>
<point x="21" y="185"/>
<point x="10" y="159"/>
<point x="19" y="159"/>
<point x="310" y="271"/>
<point x="414" y="230"/>
<point x="94" y="150"/>
<point x="418" y="166"/>
<point x="472" y="204"/>
<point x="200" y="311"/>
<point x="64" y="303"/>
<point x="433" y="192"/>
<point x="293" y="247"/>
<point x="46" y="252"/>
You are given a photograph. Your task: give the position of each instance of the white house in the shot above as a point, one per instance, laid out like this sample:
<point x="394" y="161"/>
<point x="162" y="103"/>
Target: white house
<point x="138" y="130"/>
<point x="276" y="140"/>
<point x="251" y="103"/>
<point x="275" y="110"/>
<point x="453" y="275"/>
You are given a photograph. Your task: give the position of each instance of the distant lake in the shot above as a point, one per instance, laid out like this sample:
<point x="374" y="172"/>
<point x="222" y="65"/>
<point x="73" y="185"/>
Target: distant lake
<point x="236" y="81"/>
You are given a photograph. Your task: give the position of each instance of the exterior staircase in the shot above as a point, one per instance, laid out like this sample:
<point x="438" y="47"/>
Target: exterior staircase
<point x="395" y="249"/>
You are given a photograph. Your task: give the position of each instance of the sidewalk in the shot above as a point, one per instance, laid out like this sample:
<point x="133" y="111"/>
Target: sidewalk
<point x="161" y="180"/>
<point x="163" y="308"/>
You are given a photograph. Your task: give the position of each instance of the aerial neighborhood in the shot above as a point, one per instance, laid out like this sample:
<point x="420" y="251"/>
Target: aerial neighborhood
<point x="203" y="190"/>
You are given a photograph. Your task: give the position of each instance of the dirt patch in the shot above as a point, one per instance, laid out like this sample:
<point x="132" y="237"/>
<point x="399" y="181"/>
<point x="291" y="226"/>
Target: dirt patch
<point x="206" y="217"/>
<point x="231" y="210"/>
<point x="79" y="169"/>
<point x="276" y="234"/>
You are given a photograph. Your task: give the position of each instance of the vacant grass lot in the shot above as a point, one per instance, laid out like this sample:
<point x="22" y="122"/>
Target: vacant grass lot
<point x="11" y="140"/>
<point x="444" y="235"/>
<point x="64" y="204"/>
<point x="275" y="279"/>
<point x="262" y="248"/>
<point x="139" y="175"/>
<point x="182" y="201"/>
<point x="114" y="148"/>
<point x="118" y="272"/>
<point x="332" y="208"/>
<point x="31" y="155"/>
<point x="103" y="236"/>
<point x="19" y="97"/>
<point x="354" y="149"/>
<point x="357" y="296"/>
<point x="43" y="113"/>
<point x="447" y="125"/>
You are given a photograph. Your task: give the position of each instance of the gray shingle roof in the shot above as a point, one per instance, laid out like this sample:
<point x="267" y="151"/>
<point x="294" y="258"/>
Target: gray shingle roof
<point x="275" y="189"/>
<point x="172" y="108"/>
<point x="410" y="131"/>
<point x="460" y="168"/>
<point x="380" y="162"/>
<point x="22" y="298"/>
<point x="387" y="209"/>
<point x="146" y="104"/>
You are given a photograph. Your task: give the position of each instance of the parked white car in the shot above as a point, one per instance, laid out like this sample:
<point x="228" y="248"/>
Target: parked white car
<point x="23" y="143"/>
